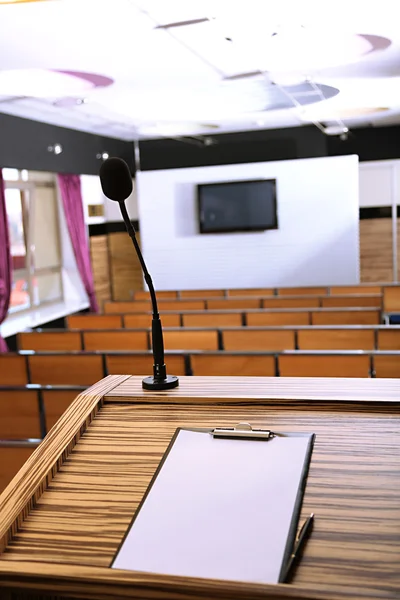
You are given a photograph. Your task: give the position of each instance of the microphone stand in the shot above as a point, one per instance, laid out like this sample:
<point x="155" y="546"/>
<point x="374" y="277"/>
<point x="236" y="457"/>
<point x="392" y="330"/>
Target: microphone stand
<point x="160" y="380"/>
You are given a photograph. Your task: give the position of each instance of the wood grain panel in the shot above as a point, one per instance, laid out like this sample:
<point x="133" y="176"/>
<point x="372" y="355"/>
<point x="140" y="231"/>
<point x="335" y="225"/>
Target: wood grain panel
<point x="52" y="341"/>
<point x="213" y="320"/>
<point x="56" y="403"/>
<point x="365" y="288"/>
<point x="202" y="293"/>
<point x="232" y="304"/>
<point x="302" y="291"/>
<point x="100" y="267"/>
<point x="260" y="292"/>
<point x="336" y="339"/>
<point x="142" y="364"/>
<point x="13" y="369"/>
<point x="144" y="321"/>
<point x="387" y="365"/>
<point x="19" y="414"/>
<point x="391" y="299"/>
<point x="125" y="269"/>
<point x="11" y="460"/>
<point x="376" y="260"/>
<point x="233" y="364"/>
<point x="308" y="302"/>
<point x="312" y="365"/>
<point x="144" y="295"/>
<point x="360" y="301"/>
<point x="250" y="339"/>
<point x="94" y="322"/>
<point x="278" y="318"/>
<point x="191" y="340"/>
<point x="389" y="339"/>
<point x="116" y="340"/>
<point x="65" y="369"/>
<point x="346" y="317"/>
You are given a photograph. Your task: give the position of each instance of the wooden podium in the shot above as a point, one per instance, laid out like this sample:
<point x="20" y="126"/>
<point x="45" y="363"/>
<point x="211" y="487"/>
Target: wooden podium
<point x="66" y="511"/>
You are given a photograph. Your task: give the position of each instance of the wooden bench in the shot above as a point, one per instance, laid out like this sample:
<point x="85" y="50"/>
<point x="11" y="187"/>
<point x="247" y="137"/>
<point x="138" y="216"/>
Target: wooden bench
<point x="363" y="288"/>
<point x="283" y="317"/>
<point x="302" y="364"/>
<point x="389" y="338"/>
<point x="386" y="365"/>
<point x="201" y="339"/>
<point x="207" y="319"/>
<point x="145" y="307"/>
<point x="202" y="294"/>
<point x="19" y="414"/>
<point x="89" y="321"/>
<point x="260" y="292"/>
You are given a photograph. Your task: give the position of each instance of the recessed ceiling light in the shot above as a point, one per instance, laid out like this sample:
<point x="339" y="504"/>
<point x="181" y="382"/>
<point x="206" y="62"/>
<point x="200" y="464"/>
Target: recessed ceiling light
<point x="56" y="149"/>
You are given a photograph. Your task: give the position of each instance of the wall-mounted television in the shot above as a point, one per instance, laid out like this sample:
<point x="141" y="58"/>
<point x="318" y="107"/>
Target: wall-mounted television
<point x="237" y="206"/>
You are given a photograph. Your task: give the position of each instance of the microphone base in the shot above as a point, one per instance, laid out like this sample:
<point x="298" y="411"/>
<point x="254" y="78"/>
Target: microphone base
<point x="170" y="382"/>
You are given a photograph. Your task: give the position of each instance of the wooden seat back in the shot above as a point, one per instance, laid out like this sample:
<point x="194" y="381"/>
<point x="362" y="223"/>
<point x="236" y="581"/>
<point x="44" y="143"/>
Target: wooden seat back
<point x="234" y="303"/>
<point x="180" y="305"/>
<point x="94" y="322"/>
<point x="355" y="289"/>
<point x="12" y="458"/>
<point x="386" y="365"/>
<point x="324" y="365"/>
<point x="346" y="317"/>
<point x="116" y="340"/>
<point x="202" y="294"/>
<point x="65" y="369"/>
<point x="142" y="364"/>
<point x="389" y="338"/>
<point x="302" y="291"/>
<point x="374" y="300"/>
<point x="258" y="339"/>
<point x="55" y="403"/>
<point x="225" y="364"/>
<point x="13" y="369"/>
<point x="336" y="339"/>
<point x="52" y="341"/>
<point x="143" y="295"/>
<point x="202" y="339"/>
<point x="260" y="292"/>
<point x="300" y="302"/>
<point x="137" y="321"/>
<point x="127" y="307"/>
<point x="271" y="319"/>
<point x="19" y="414"/>
<point x="391" y="299"/>
<point x="210" y="319"/>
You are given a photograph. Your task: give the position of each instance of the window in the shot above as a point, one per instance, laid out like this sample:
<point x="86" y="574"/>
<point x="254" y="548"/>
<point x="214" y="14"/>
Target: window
<point x="32" y="210"/>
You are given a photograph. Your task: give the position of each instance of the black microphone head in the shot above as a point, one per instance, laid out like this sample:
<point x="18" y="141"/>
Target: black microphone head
<point x="116" y="180"/>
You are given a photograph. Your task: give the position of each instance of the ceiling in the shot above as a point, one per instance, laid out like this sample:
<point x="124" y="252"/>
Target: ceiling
<point x="235" y="66"/>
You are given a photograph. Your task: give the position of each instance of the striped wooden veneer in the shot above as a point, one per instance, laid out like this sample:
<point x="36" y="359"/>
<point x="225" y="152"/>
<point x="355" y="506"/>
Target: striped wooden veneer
<point x="67" y="537"/>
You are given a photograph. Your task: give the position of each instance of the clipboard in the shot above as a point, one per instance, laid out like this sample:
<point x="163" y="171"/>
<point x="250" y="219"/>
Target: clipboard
<point x="224" y="503"/>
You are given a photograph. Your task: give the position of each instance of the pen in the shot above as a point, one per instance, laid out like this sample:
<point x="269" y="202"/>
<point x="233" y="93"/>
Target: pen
<point x="304" y="534"/>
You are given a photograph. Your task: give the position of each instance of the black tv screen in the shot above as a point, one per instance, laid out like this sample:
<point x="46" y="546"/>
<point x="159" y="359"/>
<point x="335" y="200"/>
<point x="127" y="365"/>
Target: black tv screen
<point x="237" y="206"/>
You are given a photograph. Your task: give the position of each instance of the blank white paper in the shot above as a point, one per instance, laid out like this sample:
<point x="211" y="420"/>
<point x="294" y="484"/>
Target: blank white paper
<point x="219" y="508"/>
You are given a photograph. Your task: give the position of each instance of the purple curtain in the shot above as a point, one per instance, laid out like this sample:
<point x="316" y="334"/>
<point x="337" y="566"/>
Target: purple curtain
<point x="71" y="195"/>
<point x="5" y="262"/>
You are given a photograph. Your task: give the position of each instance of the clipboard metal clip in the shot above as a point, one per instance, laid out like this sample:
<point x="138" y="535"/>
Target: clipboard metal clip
<point x="244" y="431"/>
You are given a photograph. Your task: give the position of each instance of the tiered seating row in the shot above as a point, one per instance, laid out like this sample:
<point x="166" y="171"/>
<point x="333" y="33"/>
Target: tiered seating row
<point x="301" y="316"/>
<point x="84" y="369"/>
<point x="380" y="337"/>
<point x="359" y="301"/>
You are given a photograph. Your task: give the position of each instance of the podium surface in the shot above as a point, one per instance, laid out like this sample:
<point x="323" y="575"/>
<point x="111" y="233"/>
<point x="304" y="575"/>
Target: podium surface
<point x="65" y="513"/>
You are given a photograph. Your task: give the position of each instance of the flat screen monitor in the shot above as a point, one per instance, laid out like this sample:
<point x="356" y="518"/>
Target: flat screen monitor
<point x="237" y="206"/>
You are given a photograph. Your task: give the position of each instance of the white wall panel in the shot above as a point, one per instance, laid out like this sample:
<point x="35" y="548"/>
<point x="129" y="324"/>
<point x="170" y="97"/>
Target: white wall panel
<point x="317" y="242"/>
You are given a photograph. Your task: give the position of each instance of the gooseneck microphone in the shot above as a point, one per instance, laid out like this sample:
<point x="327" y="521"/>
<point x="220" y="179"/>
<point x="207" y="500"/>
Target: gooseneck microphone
<point x="116" y="183"/>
